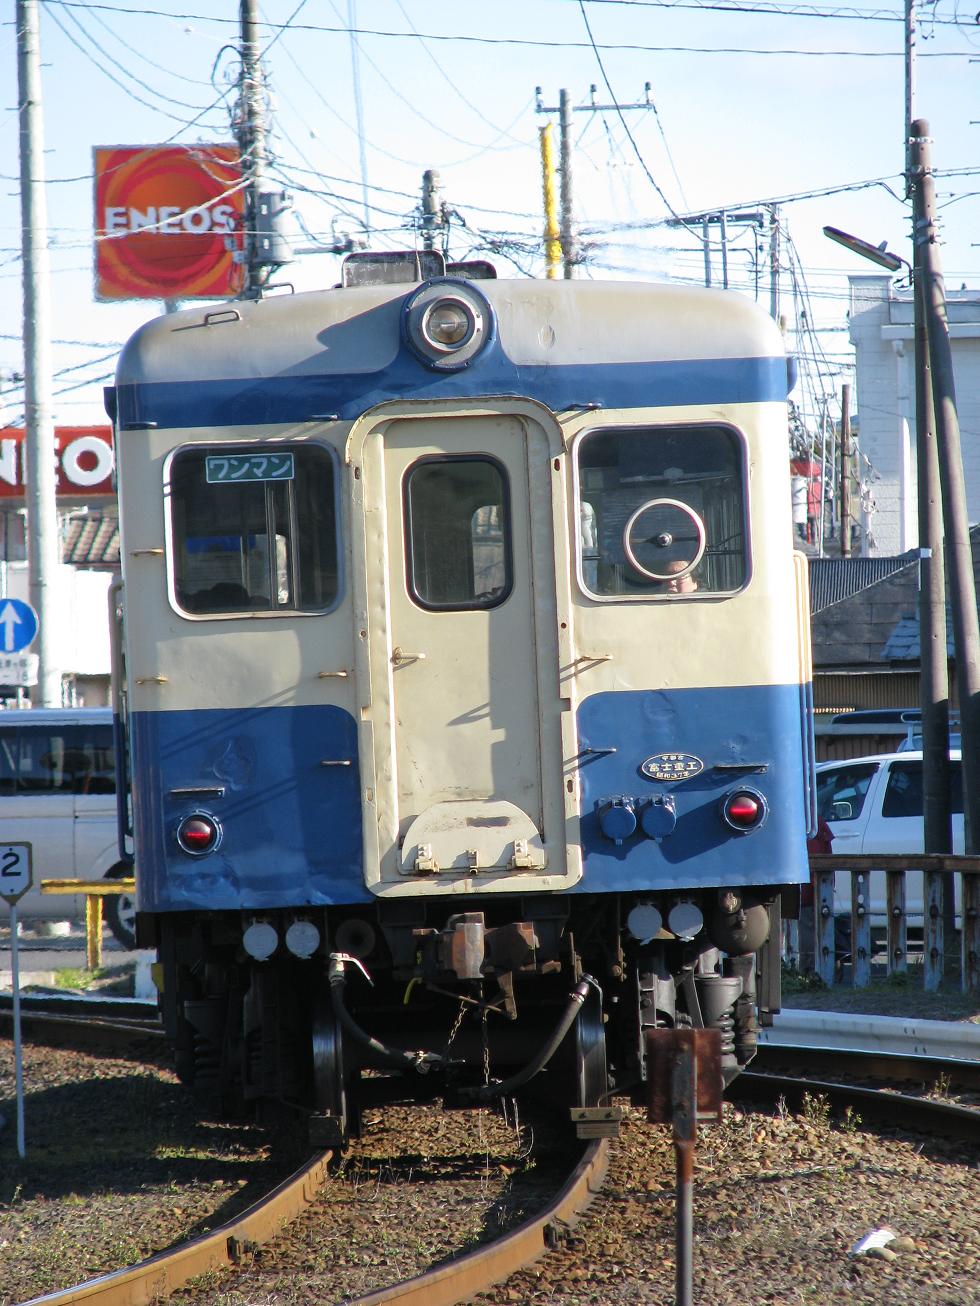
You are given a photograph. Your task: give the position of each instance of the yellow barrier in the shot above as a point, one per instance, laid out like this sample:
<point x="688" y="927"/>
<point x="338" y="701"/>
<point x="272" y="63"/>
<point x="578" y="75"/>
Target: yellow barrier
<point x="95" y="891"/>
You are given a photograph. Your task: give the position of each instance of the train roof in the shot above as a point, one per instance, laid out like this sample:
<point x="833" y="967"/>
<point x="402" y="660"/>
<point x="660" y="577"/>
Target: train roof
<point x="323" y="341"/>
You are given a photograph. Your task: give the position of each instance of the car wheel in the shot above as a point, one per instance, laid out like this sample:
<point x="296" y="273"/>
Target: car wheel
<point x="120" y="909"/>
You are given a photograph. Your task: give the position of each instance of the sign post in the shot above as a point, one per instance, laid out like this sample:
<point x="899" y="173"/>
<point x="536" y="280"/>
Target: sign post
<point x="18" y="629"/>
<point x="16" y="877"/>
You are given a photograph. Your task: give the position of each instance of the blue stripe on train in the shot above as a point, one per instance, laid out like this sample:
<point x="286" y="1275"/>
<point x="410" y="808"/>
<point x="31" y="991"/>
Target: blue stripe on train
<point x="724" y="728"/>
<point x="249" y="401"/>
<point x="291" y="827"/>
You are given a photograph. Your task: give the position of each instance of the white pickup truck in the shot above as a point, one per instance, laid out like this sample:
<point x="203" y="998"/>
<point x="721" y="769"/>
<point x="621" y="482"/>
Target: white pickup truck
<point x="874" y="805"/>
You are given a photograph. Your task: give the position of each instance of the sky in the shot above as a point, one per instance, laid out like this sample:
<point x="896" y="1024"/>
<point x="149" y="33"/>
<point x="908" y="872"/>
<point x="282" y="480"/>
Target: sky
<point x="749" y="104"/>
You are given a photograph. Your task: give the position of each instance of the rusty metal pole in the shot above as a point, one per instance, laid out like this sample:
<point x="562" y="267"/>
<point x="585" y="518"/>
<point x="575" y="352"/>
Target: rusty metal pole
<point x="685" y="1118"/>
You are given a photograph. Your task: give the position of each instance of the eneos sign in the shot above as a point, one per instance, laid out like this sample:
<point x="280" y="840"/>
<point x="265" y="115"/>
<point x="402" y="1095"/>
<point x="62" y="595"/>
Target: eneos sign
<point x="166" y="218"/>
<point x="84" y="460"/>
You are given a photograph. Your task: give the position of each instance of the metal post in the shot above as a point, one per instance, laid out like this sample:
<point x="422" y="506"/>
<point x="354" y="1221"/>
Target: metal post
<point x="685" y="1115"/>
<point x="565" y="149"/>
<point x="966" y="635"/>
<point x="723" y="233"/>
<point x="18" y="1042"/>
<point x="42" y="512"/>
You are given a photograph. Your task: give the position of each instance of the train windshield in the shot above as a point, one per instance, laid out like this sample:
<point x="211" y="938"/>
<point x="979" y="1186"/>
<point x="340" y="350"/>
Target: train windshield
<point x="253" y="529"/>
<point x="661" y="511"/>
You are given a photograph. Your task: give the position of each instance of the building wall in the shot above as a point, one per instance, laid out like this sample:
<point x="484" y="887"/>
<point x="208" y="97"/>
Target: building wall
<point x="882" y="332"/>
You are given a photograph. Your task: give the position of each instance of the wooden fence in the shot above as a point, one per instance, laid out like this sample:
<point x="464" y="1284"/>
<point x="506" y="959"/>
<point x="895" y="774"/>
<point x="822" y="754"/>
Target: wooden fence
<point x="935" y="868"/>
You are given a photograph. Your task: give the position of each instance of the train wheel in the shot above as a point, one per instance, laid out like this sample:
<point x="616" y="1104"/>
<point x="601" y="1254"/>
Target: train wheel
<point x="591" y="1076"/>
<point x="337" y="1118"/>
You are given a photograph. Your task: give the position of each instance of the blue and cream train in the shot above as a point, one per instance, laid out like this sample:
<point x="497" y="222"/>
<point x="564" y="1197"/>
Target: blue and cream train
<point x="463" y="667"/>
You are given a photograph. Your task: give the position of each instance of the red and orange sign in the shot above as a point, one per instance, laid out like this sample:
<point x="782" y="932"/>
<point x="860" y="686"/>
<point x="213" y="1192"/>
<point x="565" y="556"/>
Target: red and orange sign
<point x="167" y="220"/>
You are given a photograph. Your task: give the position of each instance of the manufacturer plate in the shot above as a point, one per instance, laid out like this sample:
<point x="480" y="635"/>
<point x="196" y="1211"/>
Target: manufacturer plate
<point x="671" y="766"/>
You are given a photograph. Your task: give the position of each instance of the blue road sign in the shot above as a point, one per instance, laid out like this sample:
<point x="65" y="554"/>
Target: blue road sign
<point x="18" y="625"/>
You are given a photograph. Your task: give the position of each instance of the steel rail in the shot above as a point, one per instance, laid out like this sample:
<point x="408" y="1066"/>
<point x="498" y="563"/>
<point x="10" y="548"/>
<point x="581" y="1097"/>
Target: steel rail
<point x="159" y="1275"/>
<point x="482" y="1268"/>
<point x="164" y="1273"/>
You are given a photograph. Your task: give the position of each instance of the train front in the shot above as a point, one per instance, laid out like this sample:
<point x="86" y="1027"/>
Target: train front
<point x="467" y="681"/>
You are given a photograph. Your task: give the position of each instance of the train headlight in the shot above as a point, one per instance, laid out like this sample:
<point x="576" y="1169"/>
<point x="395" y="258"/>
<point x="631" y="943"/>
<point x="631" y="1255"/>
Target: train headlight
<point x="447" y="323"/>
<point x="198" y="834"/>
<point x="744" y="810"/>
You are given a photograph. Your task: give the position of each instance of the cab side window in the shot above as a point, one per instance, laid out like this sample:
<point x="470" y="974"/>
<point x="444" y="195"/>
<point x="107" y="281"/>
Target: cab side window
<point x="661" y="511"/>
<point x="841" y="791"/>
<point x="253" y="529"/>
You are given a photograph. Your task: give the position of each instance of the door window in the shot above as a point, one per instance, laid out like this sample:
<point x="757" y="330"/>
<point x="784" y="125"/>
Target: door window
<point x="457" y="527"/>
<point x="841" y="792"/>
<point x="253" y="529"/>
<point x="661" y="511"/>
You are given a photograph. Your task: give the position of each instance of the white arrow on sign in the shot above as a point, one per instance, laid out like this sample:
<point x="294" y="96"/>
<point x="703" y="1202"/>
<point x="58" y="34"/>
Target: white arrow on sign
<point x="9" y="619"/>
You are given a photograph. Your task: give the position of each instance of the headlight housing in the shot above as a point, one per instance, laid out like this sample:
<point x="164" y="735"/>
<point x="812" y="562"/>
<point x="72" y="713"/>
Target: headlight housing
<point x="447" y="323"/>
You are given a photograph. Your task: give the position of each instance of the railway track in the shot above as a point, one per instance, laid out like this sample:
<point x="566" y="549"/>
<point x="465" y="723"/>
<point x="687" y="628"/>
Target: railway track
<point x="475" y="1272"/>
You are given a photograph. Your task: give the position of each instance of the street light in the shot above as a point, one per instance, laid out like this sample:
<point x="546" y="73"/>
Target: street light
<point x="876" y="253"/>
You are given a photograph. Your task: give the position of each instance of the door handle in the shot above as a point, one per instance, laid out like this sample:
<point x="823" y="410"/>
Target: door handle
<point x="398" y="656"/>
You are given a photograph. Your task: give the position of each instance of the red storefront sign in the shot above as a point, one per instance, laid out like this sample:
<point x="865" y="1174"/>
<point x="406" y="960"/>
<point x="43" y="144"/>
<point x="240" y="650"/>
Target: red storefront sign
<point x="166" y="218"/>
<point x="84" y="459"/>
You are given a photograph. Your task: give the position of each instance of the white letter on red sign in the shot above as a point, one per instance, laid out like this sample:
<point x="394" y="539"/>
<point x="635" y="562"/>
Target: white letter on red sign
<point x="85" y="476"/>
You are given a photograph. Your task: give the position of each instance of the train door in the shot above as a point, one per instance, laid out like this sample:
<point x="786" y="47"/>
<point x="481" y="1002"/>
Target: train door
<point x="460" y="621"/>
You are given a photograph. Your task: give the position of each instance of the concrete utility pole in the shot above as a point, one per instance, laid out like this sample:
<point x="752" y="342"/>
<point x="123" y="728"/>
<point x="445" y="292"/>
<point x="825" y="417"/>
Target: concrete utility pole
<point x="845" y="471"/>
<point x="552" y="236"/>
<point x="432" y="215"/>
<point x="565" y="109"/>
<point x="966" y="634"/>
<point x="264" y="249"/>
<point x="42" y="512"/>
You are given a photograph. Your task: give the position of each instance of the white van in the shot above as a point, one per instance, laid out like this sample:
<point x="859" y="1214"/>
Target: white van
<point x="58" y="793"/>
<point x="874" y="805"/>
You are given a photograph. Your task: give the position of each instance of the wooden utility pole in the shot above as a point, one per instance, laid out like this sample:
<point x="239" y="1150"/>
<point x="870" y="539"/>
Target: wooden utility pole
<point x="42" y="511"/>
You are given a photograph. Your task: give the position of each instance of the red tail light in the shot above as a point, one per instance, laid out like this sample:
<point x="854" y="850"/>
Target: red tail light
<point x="744" y="810"/>
<point x="198" y="834"/>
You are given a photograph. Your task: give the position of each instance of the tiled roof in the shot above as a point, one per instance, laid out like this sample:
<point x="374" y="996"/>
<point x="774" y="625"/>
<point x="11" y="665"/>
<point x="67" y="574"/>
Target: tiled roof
<point x="91" y="539"/>
<point x="835" y="579"/>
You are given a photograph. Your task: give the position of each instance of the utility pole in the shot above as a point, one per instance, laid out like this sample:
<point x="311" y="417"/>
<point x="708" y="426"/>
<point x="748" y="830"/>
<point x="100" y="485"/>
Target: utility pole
<point x="966" y="635"/>
<point x="42" y="511"/>
<point x="552" y="237"/>
<point x="845" y="471"/>
<point x="565" y="109"/>
<point x="722" y="218"/>
<point x="264" y="248"/>
<point x="433" y="219"/>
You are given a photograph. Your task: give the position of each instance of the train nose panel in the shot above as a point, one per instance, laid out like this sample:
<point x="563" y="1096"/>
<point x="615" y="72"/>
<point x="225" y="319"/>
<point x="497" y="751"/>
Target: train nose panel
<point x="495" y="836"/>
